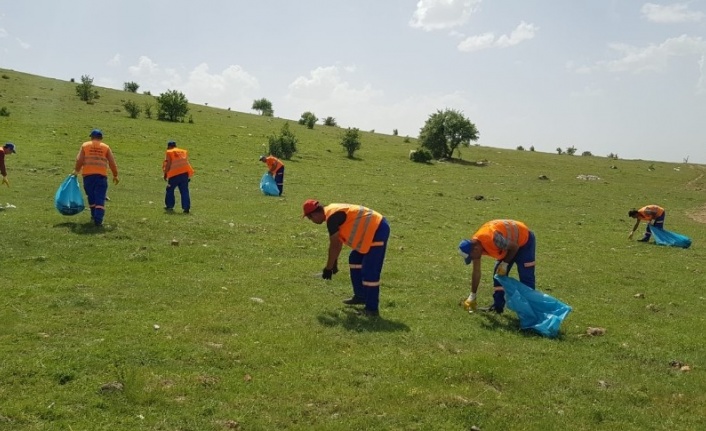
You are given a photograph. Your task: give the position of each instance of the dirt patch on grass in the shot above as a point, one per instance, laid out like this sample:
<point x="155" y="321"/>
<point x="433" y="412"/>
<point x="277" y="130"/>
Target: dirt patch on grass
<point x="698" y="214"/>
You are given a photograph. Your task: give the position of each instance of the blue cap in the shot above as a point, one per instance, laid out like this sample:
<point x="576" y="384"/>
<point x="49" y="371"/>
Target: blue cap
<point x="171" y="144"/>
<point x="464" y="249"/>
<point x="96" y="133"/>
<point x="10" y="146"/>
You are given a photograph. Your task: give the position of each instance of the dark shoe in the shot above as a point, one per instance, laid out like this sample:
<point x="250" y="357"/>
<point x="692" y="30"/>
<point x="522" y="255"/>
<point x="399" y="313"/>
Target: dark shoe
<point x="186" y="211"/>
<point x="169" y="210"/>
<point x="369" y="313"/>
<point x="355" y="300"/>
<point x="492" y="309"/>
<point x="645" y="239"/>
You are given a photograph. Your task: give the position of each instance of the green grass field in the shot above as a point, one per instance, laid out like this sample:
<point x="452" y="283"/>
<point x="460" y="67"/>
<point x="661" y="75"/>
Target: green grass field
<point x="232" y="329"/>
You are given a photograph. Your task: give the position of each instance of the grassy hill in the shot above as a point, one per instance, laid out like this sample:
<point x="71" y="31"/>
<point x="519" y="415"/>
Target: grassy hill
<point x="232" y="329"/>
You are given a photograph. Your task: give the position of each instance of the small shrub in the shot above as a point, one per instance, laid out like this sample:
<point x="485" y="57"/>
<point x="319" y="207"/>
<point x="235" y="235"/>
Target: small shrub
<point x="586" y="153"/>
<point x="5" y="76"/>
<point x="132" y="109"/>
<point x="308" y="119"/>
<point x="520" y="148"/>
<point x="191" y="119"/>
<point x="72" y="80"/>
<point x="351" y="141"/>
<point x="147" y="93"/>
<point x="532" y="148"/>
<point x="406" y="140"/>
<point x="4" y="112"/>
<point x="559" y="151"/>
<point x="148" y="110"/>
<point x="284" y="145"/>
<point x="421" y="155"/>
<point x="131" y="87"/>
<point x="394" y="132"/>
<point x="330" y="121"/>
<point x="613" y="156"/>
<point x="571" y="150"/>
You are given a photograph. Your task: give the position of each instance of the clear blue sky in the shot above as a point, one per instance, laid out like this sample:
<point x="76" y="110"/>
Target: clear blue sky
<point x="606" y="76"/>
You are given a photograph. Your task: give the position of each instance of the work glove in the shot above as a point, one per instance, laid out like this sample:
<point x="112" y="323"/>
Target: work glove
<point x="116" y="180"/>
<point x="5" y="181"/>
<point x="470" y="304"/>
<point x="327" y="274"/>
<point x="502" y="268"/>
<point x="335" y="268"/>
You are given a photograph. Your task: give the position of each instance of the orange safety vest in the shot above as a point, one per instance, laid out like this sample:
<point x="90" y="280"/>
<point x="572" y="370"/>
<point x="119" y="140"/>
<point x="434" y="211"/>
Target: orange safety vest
<point x="95" y="158"/>
<point x="273" y="164"/>
<point x="359" y="228"/>
<point x="495" y="235"/>
<point x="650" y="212"/>
<point x="179" y="163"/>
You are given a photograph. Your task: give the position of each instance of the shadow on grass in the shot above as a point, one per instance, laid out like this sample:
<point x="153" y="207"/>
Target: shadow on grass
<point x="350" y="319"/>
<point x="508" y="322"/>
<point x="84" y="228"/>
<point x="464" y="162"/>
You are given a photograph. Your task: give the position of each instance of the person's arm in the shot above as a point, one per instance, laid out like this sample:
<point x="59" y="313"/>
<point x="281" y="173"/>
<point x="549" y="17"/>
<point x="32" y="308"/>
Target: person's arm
<point x="166" y="165"/>
<point x="80" y="158"/>
<point x="334" y="250"/>
<point x="634" y="228"/>
<point x="113" y="166"/>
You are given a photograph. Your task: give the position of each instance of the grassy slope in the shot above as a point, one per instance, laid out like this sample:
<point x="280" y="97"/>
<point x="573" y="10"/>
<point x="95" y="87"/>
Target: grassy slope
<point x="79" y="307"/>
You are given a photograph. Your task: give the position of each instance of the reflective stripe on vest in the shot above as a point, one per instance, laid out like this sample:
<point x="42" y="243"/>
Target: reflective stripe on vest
<point x="358" y="230"/>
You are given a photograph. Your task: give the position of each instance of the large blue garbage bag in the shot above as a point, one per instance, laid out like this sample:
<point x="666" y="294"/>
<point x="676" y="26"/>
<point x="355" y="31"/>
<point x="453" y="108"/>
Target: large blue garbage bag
<point x="68" y="199"/>
<point x="536" y="310"/>
<point x="268" y="185"/>
<point x="665" y="237"/>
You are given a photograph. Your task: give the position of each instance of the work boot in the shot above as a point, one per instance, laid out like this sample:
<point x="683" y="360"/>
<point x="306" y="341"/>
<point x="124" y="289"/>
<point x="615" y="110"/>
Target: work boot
<point x="493" y="308"/>
<point x="355" y="300"/>
<point x="644" y="239"/>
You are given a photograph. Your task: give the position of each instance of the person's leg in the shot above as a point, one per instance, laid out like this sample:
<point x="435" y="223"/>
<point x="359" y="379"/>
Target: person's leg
<point x="279" y="179"/>
<point x="169" y="198"/>
<point x="100" y="189"/>
<point x="88" y="187"/>
<point x="355" y="263"/>
<point x="498" y="291"/>
<point x="373" y="261"/>
<point x="183" y="185"/>
<point x="525" y="260"/>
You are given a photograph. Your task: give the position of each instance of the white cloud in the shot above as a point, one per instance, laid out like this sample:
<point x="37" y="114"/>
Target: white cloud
<point x="701" y="83"/>
<point x="233" y="87"/>
<point x="653" y="57"/>
<point x="670" y="14"/>
<point x="115" y="61"/>
<point x="520" y="34"/>
<point x="326" y="92"/>
<point x="23" y="44"/>
<point x="442" y="14"/>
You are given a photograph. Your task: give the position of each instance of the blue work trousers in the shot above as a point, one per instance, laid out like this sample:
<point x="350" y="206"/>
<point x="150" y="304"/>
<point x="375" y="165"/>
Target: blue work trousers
<point x="525" y="260"/>
<point x="180" y="182"/>
<point x="96" y="187"/>
<point x="366" y="268"/>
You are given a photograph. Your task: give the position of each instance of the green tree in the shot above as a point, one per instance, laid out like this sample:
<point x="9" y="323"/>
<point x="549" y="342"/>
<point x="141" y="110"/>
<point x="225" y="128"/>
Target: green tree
<point x="86" y="91"/>
<point x="351" y="141"/>
<point x="330" y="121"/>
<point x="308" y="119"/>
<point x="284" y="145"/>
<point x="264" y="106"/>
<point x="131" y="87"/>
<point x="445" y="131"/>
<point x="172" y="106"/>
<point x="148" y="110"/>
<point x="132" y="109"/>
<point x="571" y="150"/>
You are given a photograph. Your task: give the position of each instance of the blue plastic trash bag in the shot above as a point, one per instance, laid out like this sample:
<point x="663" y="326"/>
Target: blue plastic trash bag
<point x="536" y="310"/>
<point x="268" y="185"/>
<point x="665" y="237"/>
<point x="68" y="200"/>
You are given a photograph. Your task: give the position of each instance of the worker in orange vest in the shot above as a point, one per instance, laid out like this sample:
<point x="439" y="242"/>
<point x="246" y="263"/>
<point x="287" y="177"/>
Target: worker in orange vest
<point x="652" y="214"/>
<point x="177" y="173"/>
<point x="366" y="232"/>
<point x="509" y="242"/>
<point x="275" y="168"/>
<point x="92" y="162"/>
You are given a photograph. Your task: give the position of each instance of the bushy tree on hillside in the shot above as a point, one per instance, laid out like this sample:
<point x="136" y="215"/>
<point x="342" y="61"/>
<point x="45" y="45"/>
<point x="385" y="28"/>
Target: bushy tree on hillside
<point x="445" y="131"/>
<point x="308" y="119"/>
<point x="284" y="145"/>
<point x="351" y="141"/>
<point x="264" y="106"/>
<point x="131" y="87"/>
<point x="172" y="106"/>
<point x="571" y="150"/>
<point x="132" y="109"/>
<point x="85" y="90"/>
<point x="330" y="121"/>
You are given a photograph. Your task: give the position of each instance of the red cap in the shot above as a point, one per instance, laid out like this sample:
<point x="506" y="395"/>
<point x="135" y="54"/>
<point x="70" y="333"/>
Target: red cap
<point x="310" y="205"/>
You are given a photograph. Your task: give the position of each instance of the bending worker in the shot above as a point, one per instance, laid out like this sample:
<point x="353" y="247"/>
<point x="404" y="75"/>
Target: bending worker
<point x="177" y="172"/>
<point x="366" y="232"/>
<point x="652" y="214"/>
<point x="509" y="242"/>
<point x="275" y="167"/>
<point x="92" y="161"/>
<point x="8" y="148"/>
